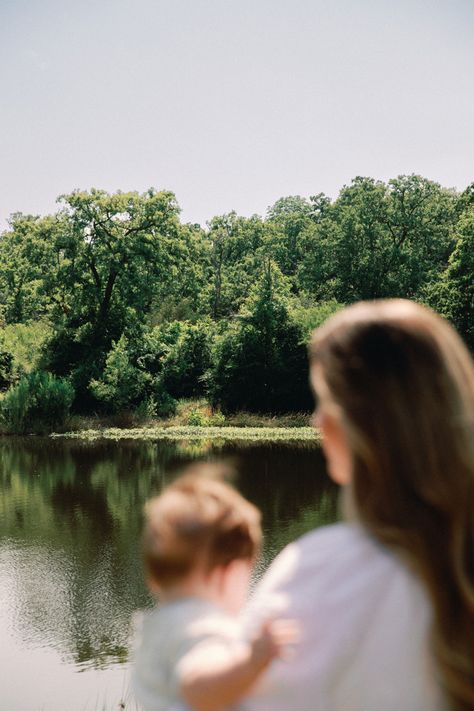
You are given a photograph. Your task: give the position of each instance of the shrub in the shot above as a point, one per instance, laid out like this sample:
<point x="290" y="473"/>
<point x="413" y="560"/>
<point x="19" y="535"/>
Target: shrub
<point x="197" y="418"/>
<point x="217" y="419"/>
<point x="39" y="403"/>
<point x="122" y="384"/>
<point x="165" y="403"/>
<point x="204" y="417"/>
<point x="146" y="410"/>
<point x="198" y="413"/>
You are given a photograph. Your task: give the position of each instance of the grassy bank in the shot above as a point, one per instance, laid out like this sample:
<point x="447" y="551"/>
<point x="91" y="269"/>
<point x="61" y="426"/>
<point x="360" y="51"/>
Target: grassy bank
<point x="194" y="413"/>
<point x="157" y="432"/>
<point x="194" y="420"/>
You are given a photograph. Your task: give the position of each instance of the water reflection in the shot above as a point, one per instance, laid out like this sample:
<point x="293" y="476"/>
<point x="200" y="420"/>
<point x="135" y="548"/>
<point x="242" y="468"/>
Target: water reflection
<point x="70" y="519"/>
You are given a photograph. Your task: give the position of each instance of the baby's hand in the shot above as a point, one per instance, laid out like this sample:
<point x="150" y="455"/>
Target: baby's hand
<point x="274" y="639"/>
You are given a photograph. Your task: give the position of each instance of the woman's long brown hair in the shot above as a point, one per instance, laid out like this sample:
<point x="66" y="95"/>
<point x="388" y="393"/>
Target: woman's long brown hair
<point x="404" y="383"/>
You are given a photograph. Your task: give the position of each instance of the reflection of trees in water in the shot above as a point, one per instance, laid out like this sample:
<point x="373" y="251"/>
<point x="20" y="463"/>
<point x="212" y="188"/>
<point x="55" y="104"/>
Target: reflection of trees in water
<point x="291" y="488"/>
<point x="294" y="478"/>
<point x="74" y="517"/>
<point x="72" y="514"/>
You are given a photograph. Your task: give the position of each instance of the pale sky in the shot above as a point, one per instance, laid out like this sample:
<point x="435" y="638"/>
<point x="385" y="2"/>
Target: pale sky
<point x="231" y="104"/>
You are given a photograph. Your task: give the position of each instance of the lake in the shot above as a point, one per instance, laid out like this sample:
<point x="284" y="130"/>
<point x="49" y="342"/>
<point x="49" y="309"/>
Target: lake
<point x="70" y="570"/>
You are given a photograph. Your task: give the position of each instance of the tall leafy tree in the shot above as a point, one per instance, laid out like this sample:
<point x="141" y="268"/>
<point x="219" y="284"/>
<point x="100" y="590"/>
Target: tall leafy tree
<point x="421" y="218"/>
<point x="260" y="362"/>
<point x="286" y="221"/>
<point x="453" y="294"/>
<point x="234" y="252"/>
<point x="185" y="296"/>
<point x="379" y="240"/>
<point x="117" y="252"/>
<point x="28" y="261"/>
<point x="346" y="251"/>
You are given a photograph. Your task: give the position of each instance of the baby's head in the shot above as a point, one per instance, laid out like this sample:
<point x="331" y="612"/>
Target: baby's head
<point x="201" y="537"/>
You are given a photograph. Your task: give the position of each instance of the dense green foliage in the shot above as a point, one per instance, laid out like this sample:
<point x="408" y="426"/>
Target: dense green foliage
<point x="26" y="342"/>
<point x="6" y="369"/>
<point x="137" y="310"/>
<point x="260" y="361"/>
<point x="38" y="403"/>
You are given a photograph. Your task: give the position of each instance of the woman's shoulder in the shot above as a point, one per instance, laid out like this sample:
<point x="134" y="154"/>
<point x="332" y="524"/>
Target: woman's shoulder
<point x="326" y="559"/>
<point x="337" y="538"/>
<point x="364" y="620"/>
<point x="337" y="544"/>
<point x="340" y="582"/>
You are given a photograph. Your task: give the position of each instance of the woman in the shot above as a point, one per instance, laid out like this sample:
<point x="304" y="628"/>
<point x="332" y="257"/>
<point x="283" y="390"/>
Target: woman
<point x="385" y="600"/>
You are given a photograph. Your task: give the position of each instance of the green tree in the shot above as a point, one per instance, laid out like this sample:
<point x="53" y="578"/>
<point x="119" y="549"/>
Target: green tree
<point x="234" y="247"/>
<point x="260" y="363"/>
<point x="286" y="221"/>
<point x="309" y="315"/>
<point x="26" y="343"/>
<point x="421" y="217"/>
<point x="379" y="240"/>
<point x="185" y="297"/>
<point x="187" y="361"/>
<point x="28" y="260"/>
<point x="118" y="252"/>
<point x="453" y="294"/>
<point x="116" y="294"/>
<point x="347" y="249"/>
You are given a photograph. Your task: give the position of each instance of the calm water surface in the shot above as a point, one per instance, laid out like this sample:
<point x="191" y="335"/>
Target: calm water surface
<point x="70" y="574"/>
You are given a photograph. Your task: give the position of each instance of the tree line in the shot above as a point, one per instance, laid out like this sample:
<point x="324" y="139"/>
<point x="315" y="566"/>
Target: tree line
<point x="133" y="309"/>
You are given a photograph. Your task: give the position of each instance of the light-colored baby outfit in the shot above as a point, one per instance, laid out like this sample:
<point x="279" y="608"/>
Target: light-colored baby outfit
<point x="163" y="636"/>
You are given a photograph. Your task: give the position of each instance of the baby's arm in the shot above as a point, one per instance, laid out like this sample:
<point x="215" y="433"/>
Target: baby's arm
<point x="215" y="676"/>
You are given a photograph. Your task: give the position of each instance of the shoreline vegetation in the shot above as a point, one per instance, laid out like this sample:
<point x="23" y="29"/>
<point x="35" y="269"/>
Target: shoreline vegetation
<point x="157" y="432"/>
<point x="194" y="420"/>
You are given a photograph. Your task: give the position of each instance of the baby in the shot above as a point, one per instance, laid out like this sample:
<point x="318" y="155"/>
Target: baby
<point x="200" y="543"/>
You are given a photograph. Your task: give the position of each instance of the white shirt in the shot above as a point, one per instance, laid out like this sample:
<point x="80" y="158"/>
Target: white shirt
<point x="364" y="623"/>
<point x="163" y="636"/>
